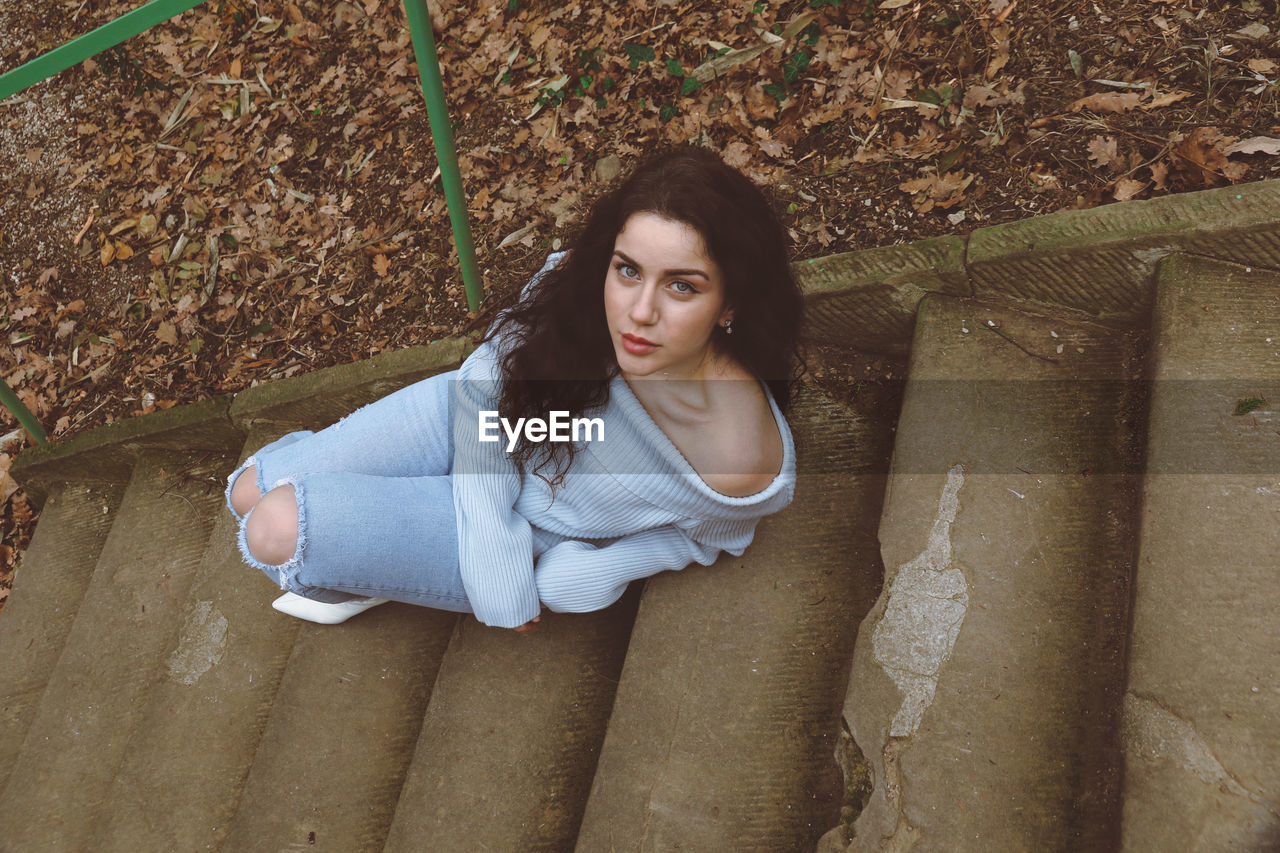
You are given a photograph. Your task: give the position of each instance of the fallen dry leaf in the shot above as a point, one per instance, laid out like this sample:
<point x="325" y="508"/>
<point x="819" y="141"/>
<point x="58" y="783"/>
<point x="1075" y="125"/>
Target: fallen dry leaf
<point x="931" y="190"/>
<point x="1262" y="66"/>
<point x="979" y="96"/>
<point x="1257" y="31"/>
<point x="146" y="226"/>
<point x="1235" y="171"/>
<point x="167" y="333"/>
<point x="7" y="484"/>
<point x="737" y="154"/>
<point x="1165" y="100"/>
<point x="381" y="265"/>
<point x="1102" y="150"/>
<point x="1254" y="145"/>
<point x="769" y="145"/>
<point x="1159" y="175"/>
<point x="1107" y="102"/>
<point x="999" y="51"/>
<point x="1201" y="155"/>
<point x="1127" y="188"/>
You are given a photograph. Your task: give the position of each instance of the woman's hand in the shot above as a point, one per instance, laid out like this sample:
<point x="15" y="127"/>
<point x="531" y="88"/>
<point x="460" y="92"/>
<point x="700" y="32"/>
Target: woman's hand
<point x="531" y="625"/>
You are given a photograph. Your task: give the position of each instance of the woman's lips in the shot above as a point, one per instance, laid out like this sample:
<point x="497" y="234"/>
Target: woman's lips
<point x="637" y="345"/>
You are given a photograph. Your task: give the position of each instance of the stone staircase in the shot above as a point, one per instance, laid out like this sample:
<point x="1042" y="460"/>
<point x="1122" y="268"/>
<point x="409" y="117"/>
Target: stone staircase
<point x="1027" y="602"/>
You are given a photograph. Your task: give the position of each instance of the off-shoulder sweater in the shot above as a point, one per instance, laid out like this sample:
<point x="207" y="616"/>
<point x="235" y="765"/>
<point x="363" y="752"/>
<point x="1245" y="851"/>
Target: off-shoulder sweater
<point x="629" y="506"/>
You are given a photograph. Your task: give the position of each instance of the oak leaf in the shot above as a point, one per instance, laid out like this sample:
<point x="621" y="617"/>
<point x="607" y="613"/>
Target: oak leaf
<point x="1200" y="154"/>
<point x="1102" y="150"/>
<point x="1160" y="175"/>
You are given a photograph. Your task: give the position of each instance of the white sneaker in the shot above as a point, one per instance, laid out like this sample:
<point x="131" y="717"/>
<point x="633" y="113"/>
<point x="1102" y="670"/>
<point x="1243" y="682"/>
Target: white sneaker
<point x="318" y="611"/>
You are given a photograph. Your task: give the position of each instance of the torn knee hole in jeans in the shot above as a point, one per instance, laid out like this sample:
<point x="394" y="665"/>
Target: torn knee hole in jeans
<point x="251" y="462"/>
<point x="285" y="572"/>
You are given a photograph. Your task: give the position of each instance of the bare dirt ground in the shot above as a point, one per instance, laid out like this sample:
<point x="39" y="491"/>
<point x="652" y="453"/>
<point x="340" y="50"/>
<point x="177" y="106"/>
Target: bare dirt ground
<point x="248" y="191"/>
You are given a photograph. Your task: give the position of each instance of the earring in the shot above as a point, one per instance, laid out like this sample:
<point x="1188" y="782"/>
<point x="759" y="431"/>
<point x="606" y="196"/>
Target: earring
<point x="728" y="327"/>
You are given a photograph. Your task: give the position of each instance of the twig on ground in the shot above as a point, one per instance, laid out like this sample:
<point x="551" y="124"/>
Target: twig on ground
<point x="1010" y="339"/>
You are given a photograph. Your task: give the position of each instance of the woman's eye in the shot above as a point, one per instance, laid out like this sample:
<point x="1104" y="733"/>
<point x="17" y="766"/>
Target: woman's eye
<point x="628" y="271"/>
<point x="683" y="287"/>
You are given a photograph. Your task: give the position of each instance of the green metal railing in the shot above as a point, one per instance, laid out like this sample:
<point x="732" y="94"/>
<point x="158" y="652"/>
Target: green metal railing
<point x="29" y="423"/>
<point x="158" y="11"/>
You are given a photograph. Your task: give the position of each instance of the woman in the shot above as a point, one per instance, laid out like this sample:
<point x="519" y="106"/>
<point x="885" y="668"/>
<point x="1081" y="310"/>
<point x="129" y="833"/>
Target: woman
<point x="667" y="332"/>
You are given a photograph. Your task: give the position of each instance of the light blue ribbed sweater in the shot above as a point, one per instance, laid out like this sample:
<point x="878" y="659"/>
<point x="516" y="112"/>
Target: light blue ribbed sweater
<point x="630" y="506"/>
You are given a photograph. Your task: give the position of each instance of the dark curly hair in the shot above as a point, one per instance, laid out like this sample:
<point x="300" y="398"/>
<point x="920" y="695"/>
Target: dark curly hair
<point x="558" y="351"/>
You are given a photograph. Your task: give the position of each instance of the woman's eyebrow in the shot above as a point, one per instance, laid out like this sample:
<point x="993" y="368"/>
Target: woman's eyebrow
<point x="665" y="273"/>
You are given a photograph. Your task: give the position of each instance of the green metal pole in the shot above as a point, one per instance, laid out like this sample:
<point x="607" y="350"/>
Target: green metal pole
<point x="424" y="49"/>
<point x="23" y="414"/>
<point x="81" y="48"/>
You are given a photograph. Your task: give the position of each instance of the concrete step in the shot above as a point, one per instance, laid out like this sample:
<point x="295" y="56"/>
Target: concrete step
<point x="191" y="778"/>
<point x="184" y="768"/>
<point x="1201" y="721"/>
<point x="47" y="591"/>
<point x="131" y="608"/>
<point x="986" y="680"/>
<point x="341" y="732"/>
<point x="724" y="727"/>
<point x="512" y="735"/>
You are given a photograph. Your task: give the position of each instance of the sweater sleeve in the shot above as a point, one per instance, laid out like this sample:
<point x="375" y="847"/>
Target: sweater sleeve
<point x="495" y="543"/>
<point x="576" y="577"/>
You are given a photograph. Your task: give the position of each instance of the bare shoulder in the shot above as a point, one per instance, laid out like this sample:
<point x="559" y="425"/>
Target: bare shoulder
<point x="726" y="430"/>
<point x="748" y="447"/>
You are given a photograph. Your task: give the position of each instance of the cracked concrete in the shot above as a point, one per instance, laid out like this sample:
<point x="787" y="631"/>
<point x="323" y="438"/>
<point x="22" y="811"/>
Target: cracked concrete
<point x="982" y="684"/>
<point x="1154" y="733"/>
<point x="1186" y="798"/>
<point x="1202" y="710"/>
<point x="204" y="641"/>
<point x="927" y="603"/>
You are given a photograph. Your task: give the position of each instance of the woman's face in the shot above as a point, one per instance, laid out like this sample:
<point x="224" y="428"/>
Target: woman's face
<point x="663" y="298"/>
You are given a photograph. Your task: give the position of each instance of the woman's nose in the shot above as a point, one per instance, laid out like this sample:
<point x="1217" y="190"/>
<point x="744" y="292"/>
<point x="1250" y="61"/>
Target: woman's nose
<point x="644" y="310"/>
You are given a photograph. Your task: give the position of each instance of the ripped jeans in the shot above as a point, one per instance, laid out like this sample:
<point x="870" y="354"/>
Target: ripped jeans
<point x="375" y="503"/>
